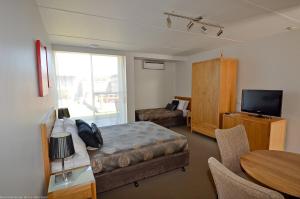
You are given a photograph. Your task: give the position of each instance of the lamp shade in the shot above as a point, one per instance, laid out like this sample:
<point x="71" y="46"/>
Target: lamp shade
<point x="63" y="112"/>
<point x="61" y="146"/>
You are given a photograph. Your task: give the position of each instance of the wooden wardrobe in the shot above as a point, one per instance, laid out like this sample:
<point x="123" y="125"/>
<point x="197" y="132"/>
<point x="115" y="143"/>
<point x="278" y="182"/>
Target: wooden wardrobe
<point x="213" y="93"/>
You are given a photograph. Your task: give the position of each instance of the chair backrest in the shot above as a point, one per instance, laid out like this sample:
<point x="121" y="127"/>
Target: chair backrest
<point x="233" y="143"/>
<point x="229" y="185"/>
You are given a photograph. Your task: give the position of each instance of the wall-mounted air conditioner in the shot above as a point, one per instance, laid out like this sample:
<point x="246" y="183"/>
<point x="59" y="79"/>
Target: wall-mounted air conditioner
<point x="154" y="65"/>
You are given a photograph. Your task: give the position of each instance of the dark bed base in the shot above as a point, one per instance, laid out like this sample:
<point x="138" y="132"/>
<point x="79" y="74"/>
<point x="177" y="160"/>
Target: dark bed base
<point x="134" y="173"/>
<point x="171" y="122"/>
<point x="168" y="122"/>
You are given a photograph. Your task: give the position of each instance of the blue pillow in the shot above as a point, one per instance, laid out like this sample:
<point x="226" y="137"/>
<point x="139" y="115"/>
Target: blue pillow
<point x="97" y="134"/>
<point x="169" y="107"/>
<point x="85" y="132"/>
<point x="174" y="104"/>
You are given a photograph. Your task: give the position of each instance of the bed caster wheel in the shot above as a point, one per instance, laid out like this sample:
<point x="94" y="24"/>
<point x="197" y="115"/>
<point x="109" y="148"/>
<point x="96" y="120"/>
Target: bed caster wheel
<point x="183" y="169"/>
<point x="136" y="184"/>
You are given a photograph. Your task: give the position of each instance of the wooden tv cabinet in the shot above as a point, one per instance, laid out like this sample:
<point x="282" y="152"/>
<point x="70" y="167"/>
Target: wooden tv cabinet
<point x="263" y="133"/>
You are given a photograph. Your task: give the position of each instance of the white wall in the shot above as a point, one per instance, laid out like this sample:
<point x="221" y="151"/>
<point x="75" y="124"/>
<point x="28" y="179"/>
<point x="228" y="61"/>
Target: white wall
<point x="153" y="88"/>
<point x="183" y="74"/>
<point x="270" y="63"/>
<point x="22" y="110"/>
<point x="131" y="61"/>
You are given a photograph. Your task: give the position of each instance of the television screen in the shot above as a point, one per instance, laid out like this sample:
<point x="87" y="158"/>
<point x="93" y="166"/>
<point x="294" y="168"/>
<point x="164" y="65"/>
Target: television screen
<point x="262" y="102"/>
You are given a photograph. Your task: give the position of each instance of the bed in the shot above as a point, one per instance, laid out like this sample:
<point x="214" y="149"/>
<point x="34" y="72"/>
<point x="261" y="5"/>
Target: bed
<point x="162" y="116"/>
<point x="131" y="152"/>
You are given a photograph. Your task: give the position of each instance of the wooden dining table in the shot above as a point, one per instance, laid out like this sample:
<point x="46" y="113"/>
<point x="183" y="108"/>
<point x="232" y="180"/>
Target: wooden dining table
<point x="278" y="170"/>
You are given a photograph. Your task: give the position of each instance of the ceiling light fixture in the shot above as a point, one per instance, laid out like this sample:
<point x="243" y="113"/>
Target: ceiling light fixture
<point x="220" y="32"/>
<point x="169" y="22"/>
<point x="190" y="25"/>
<point x="192" y="21"/>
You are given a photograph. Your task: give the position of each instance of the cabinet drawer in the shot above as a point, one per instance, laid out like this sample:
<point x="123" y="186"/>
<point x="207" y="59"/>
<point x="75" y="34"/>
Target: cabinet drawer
<point x="258" y="133"/>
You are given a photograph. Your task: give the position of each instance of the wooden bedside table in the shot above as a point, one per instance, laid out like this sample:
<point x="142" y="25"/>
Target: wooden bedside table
<point x="81" y="185"/>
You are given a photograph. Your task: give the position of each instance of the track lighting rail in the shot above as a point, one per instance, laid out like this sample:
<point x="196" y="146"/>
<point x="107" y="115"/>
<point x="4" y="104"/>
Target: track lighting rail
<point x="192" y="21"/>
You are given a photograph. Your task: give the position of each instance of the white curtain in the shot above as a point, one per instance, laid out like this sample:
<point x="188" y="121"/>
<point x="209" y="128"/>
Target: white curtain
<point x="92" y="86"/>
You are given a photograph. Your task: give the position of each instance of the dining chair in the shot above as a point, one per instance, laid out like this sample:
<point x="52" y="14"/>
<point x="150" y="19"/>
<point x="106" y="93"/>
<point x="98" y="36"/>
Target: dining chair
<point x="229" y="185"/>
<point x="233" y="143"/>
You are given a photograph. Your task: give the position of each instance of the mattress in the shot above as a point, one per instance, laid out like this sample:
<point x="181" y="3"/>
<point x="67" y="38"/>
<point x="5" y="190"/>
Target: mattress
<point x="129" y="144"/>
<point x="157" y="114"/>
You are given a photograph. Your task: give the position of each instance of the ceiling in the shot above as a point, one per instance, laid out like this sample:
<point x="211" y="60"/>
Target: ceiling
<point x="140" y="26"/>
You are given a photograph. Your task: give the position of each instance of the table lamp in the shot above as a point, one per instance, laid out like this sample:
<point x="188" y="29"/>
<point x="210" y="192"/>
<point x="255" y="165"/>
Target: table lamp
<point x="63" y="112"/>
<point x="61" y="147"/>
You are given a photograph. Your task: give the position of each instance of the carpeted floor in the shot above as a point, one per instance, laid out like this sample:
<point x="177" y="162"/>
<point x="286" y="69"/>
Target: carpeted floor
<point x="195" y="183"/>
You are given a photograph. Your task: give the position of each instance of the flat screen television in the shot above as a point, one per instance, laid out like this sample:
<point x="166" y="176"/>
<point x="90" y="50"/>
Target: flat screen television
<point x="262" y="102"/>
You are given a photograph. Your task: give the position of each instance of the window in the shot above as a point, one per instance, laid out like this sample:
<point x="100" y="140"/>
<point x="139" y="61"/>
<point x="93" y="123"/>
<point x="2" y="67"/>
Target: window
<point x="92" y="86"/>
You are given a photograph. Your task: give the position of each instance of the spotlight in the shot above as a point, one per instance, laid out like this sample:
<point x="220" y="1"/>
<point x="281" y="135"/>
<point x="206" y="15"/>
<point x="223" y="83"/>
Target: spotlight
<point x="190" y="25"/>
<point x="220" y="32"/>
<point x="169" y="22"/>
<point x="291" y="28"/>
<point x="203" y="28"/>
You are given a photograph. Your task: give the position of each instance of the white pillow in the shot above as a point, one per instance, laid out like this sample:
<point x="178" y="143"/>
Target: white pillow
<point x="181" y="105"/>
<point x="58" y="126"/>
<point x="69" y="122"/>
<point x="184" y="113"/>
<point x="81" y="157"/>
<point x="76" y="161"/>
<point x="70" y="127"/>
<point x="59" y="123"/>
<point x="186" y="104"/>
